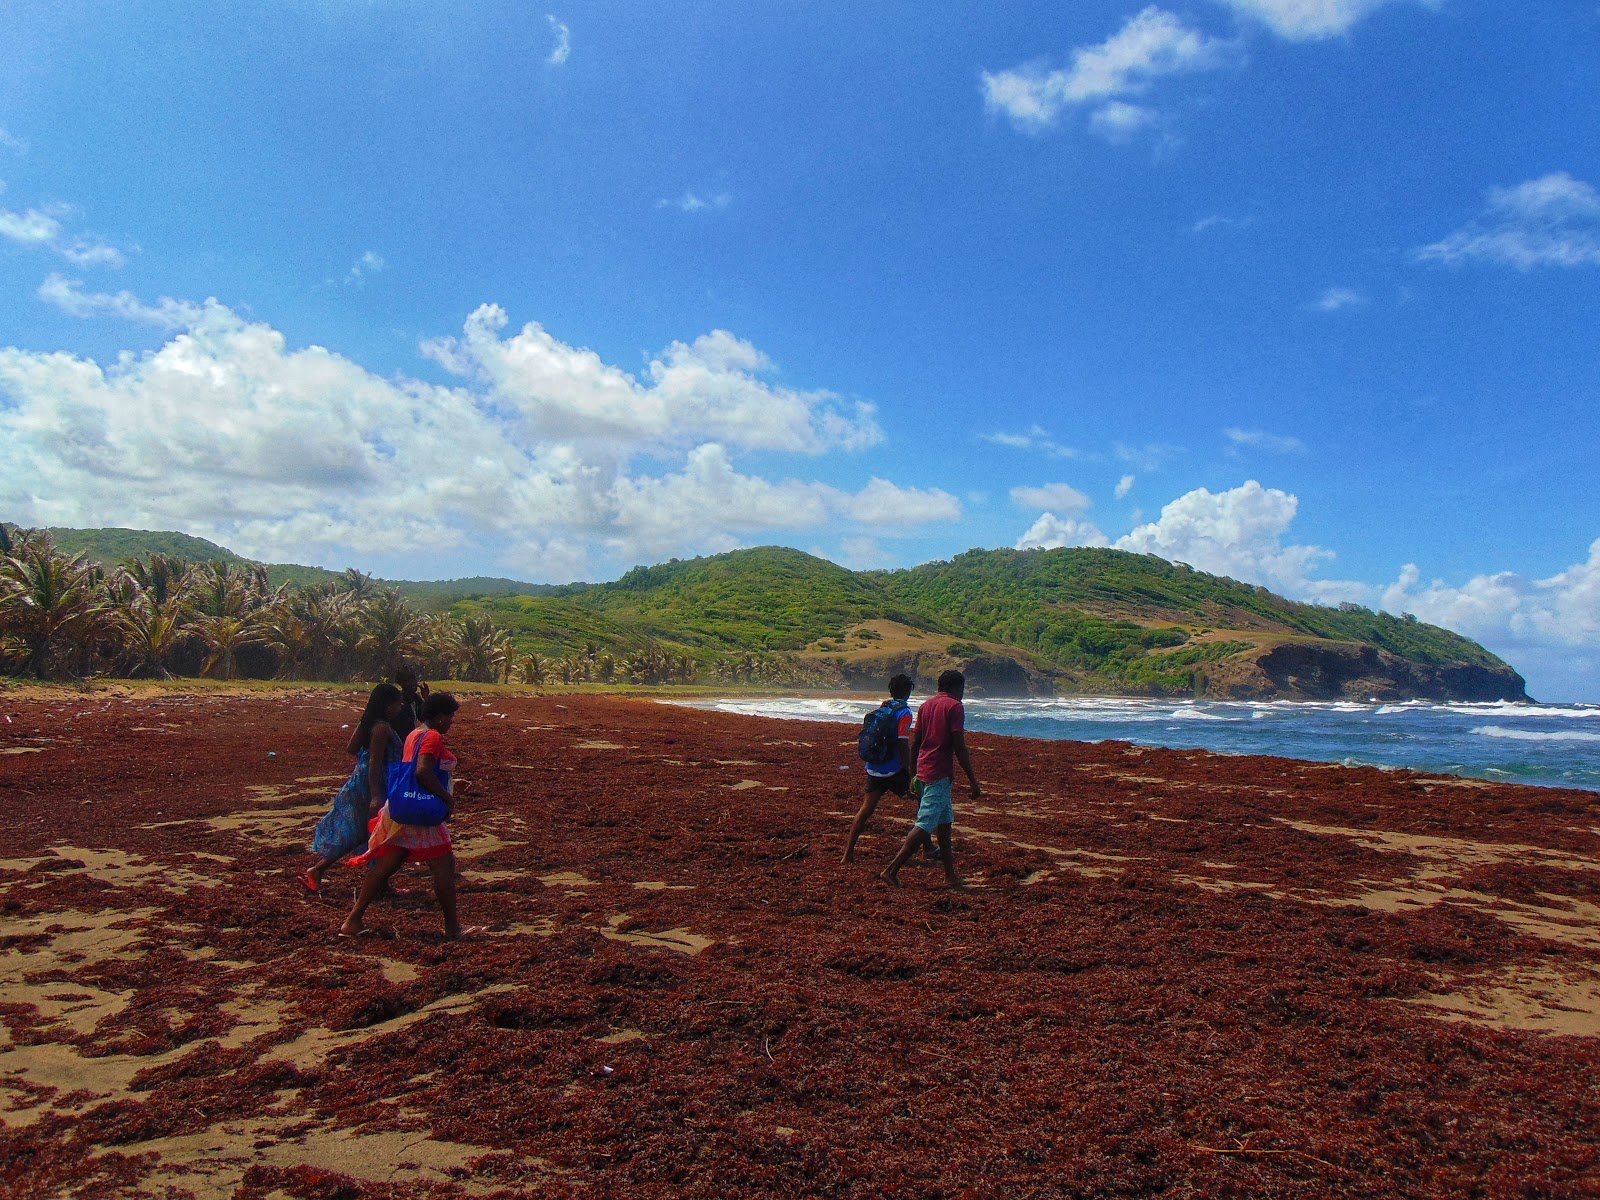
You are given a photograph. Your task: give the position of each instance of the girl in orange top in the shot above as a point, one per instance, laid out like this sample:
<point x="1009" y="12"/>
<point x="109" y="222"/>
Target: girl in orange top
<point x="391" y="843"/>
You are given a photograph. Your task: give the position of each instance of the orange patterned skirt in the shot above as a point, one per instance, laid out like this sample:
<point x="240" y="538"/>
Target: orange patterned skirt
<point x="420" y="842"/>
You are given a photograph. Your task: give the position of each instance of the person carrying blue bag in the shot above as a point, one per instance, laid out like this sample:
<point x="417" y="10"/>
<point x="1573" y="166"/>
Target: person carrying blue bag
<point x="414" y="821"/>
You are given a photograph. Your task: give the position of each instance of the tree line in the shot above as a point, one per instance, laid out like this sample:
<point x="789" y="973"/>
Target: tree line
<point x="155" y="616"/>
<point x="158" y="616"/>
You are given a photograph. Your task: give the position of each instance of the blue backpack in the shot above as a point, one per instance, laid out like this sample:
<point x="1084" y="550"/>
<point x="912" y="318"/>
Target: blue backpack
<point x="880" y="733"/>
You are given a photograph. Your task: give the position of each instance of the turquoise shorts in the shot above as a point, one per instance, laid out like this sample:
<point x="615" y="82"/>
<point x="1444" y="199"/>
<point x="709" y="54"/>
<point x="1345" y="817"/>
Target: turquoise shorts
<point x="935" y="809"/>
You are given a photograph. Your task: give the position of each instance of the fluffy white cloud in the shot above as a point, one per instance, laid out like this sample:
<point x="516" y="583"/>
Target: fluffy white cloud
<point x="562" y="50"/>
<point x="300" y="455"/>
<point x="1549" y="629"/>
<point x="68" y="295"/>
<point x="1051" y="532"/>
<point x="1062" y="497"/>
<point x="1306" y="20"/>
<point x="1124" y="486"/>
<point x="886" y="505"/>
<point x="44" y="230"/>
<point x="1240" y="533"/>
<point x="1152" y="44"/>
<point x="1552" y="221"/>
<point x="1563" y="609"/>
<point x="707" y="390"/>
<point x="1259" y="439"/>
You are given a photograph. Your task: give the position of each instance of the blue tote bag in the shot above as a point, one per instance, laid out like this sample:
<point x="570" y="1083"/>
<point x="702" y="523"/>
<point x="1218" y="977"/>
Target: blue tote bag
<point x="409" y="802"/>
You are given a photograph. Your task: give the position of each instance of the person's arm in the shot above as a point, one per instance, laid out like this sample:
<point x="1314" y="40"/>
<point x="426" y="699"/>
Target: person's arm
<point x="378" y="765"/>
<point x="428" y="777"/>
<point x="355" y="743"/>
<point x="958" y="739"/>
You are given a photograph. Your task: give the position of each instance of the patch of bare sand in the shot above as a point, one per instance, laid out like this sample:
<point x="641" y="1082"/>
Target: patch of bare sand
<point x="211" y="1165"/>
<point x="680" y="939"/>
<point x="308" y="1050"/>
<point x="1537" y="999"/>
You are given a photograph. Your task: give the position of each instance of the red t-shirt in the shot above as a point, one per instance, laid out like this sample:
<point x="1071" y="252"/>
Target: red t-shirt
<point x="939" y="719"/>
<point x="425" y="740"/>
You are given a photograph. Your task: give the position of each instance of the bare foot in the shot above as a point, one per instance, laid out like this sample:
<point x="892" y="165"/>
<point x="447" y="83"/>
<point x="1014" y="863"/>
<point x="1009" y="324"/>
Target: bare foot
<point x="849" y="856"/>
<point x="350" y="931"/>
<point x="956" y="883"/>
<point x="892" y="878"/>
<point x="465" y="933"/>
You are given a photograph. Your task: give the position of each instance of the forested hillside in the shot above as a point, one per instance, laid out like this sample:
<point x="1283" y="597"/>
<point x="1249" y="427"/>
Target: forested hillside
<point x="1019" y="622"/>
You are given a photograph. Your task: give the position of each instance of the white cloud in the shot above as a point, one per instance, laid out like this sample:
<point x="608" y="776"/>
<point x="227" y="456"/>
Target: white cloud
<point x="32" y="228"/>
<point x="370" y="263"/>
<point x="1218" y="221"/>
<point x="1036" y="438"/>
<point x="1118" y="121"/>
<point x="562" y="50"/>
<point x="1306" y="20"/>
<point x="693" y="202"/>
<point x="705" y="390"/>
<point x="12" y="142"/>
<point x="303" y="455"/>
<point x="68" y="295"/>
<point x="1549" y="629"/>
<point x="886" y="505"/>
<point x="1259" y="439"/>
<point x="1051" y="532"/>
<point x="1062" y="497"/>
<point x="1240" y="533"/>
<point x="1152" y="44"/>
<point x="1552" y="221"/>
<point x="1124" y="486"/>
<point x="1150" y="457"/>
<point x="43" y="230"/>
<point x="859" y="553"/>
<point x="1335" y="298"/>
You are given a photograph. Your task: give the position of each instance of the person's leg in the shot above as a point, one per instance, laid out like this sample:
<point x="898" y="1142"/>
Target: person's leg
<point x="315" y="872"/>
<point x="950" y="875"/>
<point x="443" y="870"/>
<point x="891" y="873"/>
<point x="384" y="864"/>
<point x="868" y="807"/>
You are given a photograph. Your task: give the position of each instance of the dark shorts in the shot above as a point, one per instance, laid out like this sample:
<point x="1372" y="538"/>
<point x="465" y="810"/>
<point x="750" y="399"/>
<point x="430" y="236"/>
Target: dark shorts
<point x="899" y="783"/>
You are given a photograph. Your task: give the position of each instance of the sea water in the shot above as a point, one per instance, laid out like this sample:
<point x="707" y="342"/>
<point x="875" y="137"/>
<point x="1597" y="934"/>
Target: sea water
<point x="1553" y="745"/>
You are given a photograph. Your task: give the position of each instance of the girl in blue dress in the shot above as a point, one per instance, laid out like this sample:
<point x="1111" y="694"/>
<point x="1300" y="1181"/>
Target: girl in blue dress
<point x="343" y="831"/>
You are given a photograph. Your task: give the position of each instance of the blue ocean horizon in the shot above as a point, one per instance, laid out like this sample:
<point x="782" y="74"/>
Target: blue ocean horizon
<point x="1549" y="745"/>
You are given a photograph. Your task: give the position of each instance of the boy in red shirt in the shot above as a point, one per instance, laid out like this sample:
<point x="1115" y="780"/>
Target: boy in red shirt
<point x="939" y="742"/>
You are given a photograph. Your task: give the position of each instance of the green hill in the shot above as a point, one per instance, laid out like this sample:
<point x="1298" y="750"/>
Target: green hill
<point x="1019" y="622"/>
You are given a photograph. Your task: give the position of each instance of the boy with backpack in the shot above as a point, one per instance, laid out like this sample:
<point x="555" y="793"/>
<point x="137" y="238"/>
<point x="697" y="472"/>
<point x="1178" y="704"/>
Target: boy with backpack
<point x="939" y="744"/>
<point x="885" y="749"/>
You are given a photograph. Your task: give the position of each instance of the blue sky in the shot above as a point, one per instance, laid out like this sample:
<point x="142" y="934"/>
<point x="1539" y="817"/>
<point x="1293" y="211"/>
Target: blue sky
<point x="1298" y="291"/>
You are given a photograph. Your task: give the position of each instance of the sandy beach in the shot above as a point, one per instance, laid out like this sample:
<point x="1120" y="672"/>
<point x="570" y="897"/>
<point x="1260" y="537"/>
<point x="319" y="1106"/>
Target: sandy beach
<point x="1173" y="972"/>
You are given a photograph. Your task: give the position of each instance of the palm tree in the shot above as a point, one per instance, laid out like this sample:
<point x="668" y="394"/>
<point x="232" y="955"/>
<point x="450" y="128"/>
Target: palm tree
<point x="159" y="576"/>
<point x="225" y="636"/>
<point x="151" y="633"/>
<point x="483" y="649"/>
<point x="309" y="631"/>
<point x="533" y="670"/>
<point x="49" y="602"/>
<point x="388" y="632"/>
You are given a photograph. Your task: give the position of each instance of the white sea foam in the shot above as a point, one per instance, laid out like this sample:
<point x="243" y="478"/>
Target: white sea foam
<point x="1533" y="735"/>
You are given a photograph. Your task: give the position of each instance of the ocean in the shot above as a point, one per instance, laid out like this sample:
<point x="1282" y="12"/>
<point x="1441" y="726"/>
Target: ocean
<point x="1549" y="745"/>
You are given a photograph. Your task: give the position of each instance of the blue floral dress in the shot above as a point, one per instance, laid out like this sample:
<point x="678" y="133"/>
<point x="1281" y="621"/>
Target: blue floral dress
<point x="343" y="830"/>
